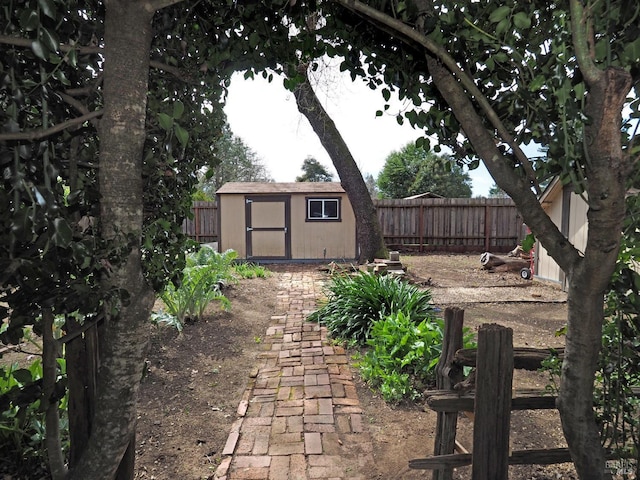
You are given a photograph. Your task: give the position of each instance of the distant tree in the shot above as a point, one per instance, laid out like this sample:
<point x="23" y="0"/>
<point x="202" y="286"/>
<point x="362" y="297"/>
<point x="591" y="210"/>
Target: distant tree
<point x="414" y="170"/>
<point x="496" y="192"/>
<point x="372" y="185"/>
<point x="314" y="171"/>
<point x="235" y="162"/>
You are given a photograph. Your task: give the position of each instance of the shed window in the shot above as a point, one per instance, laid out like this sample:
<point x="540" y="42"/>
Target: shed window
<point x="323" y="209"/>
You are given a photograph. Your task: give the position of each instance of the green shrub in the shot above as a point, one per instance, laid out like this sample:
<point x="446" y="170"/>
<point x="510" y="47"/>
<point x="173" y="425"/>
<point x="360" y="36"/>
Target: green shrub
<point x="206" y="272"/>
<point x="353" y="303"/>
<point x="403" y="354"/>
<point x="251" y="270"/>
<point x="22" y="423"/>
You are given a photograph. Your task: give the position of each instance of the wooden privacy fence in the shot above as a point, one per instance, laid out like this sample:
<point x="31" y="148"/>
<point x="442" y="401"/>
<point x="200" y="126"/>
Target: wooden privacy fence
<point x="203" y="227"/>
<point x="429" y="224"/>
<point x="451" y="224"/>
<point x="489" y="397"/>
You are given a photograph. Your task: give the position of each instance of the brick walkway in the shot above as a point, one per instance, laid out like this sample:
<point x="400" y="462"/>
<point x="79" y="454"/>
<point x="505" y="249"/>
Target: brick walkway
<point x="300" y="417"/>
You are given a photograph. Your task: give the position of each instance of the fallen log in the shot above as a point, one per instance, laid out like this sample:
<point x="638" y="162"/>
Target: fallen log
<point x="492" y="262"/>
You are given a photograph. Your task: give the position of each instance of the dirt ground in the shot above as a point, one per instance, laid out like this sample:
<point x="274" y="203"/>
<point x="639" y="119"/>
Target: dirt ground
<point x="195" y="380"/>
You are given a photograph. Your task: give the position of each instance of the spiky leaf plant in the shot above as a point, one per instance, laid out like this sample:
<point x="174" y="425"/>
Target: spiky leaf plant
<point x="353" y="303"/>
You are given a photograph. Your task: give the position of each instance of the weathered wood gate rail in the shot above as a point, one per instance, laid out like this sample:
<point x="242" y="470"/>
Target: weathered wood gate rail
<point x="491" y="404"/>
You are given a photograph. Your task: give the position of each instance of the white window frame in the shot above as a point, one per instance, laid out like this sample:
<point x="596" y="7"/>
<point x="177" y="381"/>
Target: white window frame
<point x="324" y="201"/>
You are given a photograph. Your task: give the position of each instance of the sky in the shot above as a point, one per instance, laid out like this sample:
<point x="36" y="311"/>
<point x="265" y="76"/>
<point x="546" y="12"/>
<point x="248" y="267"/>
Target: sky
<point x="266" y="117"/>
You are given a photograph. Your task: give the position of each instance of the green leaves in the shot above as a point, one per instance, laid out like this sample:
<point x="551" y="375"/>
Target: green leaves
<point x="182" y="135"/>
<point x="48" y="8"/>
<point x="166" y="121"/>
<point x="62" y="233"/>
<point x="499" y="14"/>
<point x="207" y="271"/>
<point x="178" y="109"/>
<point x="169" y="123"/>
<point x="402" y="355"/>
<point x="355" y="302"/>
<point x="528" y="242"/>
<point x="414" y="170"/>
<point x="29" y="19"/>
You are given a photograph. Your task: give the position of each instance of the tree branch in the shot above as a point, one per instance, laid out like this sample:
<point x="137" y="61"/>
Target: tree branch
<point x="176" y="72"/>
<point x="84" y="91"/>
<point x="78" y="105"/>
<point x="408" y="33"/>
<point x="42" y="133"/>
<point x="579" y="33"/>
<point x="562" y="251"/>
<point x="26" y="42"/>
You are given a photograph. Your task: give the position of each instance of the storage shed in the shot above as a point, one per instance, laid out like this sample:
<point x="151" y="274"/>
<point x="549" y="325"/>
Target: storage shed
<point x="302" y="221"/>
<point x="569" y="212"/>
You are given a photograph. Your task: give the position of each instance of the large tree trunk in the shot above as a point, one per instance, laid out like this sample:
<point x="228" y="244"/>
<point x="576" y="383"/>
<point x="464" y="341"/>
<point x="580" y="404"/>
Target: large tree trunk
<point x="588" y="275"/>
<point x="589" y="278"/>
<point x="368" y="229"/>
<point x="122" y="134"/>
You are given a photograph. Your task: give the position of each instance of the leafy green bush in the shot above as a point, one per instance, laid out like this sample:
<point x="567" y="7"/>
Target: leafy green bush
<point x="403" y="354"/>
<point x="206" y="272"/>
<point x="22" y="423"/>
<point x="354" y="302"/>
<point x="251" y="270"/>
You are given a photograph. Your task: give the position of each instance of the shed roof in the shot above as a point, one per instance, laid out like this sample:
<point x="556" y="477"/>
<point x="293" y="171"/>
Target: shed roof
<point x="284" y="187"/>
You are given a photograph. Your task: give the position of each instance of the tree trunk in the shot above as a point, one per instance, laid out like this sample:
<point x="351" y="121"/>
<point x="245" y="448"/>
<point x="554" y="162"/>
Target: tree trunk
<point x="589" y="275"/>
<point x="82" y="368"/>
<point x="368" y="229"/>
<point x="128" y="36"/>
<point x="589" y="278"/>
<point x="489" y="261"/>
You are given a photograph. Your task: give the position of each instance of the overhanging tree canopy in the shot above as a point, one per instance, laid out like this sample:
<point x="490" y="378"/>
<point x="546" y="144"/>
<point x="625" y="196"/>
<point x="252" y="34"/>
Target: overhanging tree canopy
<point x="486" y="77"/>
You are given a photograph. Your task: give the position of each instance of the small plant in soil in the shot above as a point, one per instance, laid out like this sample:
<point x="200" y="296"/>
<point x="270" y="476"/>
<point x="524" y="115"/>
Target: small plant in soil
<point x="402" y="355"/>
<point x="203" y="278"/>
<point x="251" y="270"/>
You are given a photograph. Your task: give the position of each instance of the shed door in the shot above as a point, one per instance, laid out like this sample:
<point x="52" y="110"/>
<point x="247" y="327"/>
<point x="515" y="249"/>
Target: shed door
<point x="268" y="222"/>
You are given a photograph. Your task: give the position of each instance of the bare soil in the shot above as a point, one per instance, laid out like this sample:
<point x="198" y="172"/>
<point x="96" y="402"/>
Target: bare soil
<point x="195" y="380"/>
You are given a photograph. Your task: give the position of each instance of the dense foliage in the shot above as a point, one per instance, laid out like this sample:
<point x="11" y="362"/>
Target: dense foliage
<point x="402" y="355"/>
<point x="354" y="303"/>
<point x="22" y="421"/>
<point x="618" y="405"/>
<point x="413" y="171"/>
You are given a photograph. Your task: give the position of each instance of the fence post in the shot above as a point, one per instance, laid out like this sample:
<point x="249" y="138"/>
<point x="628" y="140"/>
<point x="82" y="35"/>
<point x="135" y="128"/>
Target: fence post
<point x="494" y="376"/>
<point x="487" y="228"/>
<point x="447" y="375"/>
